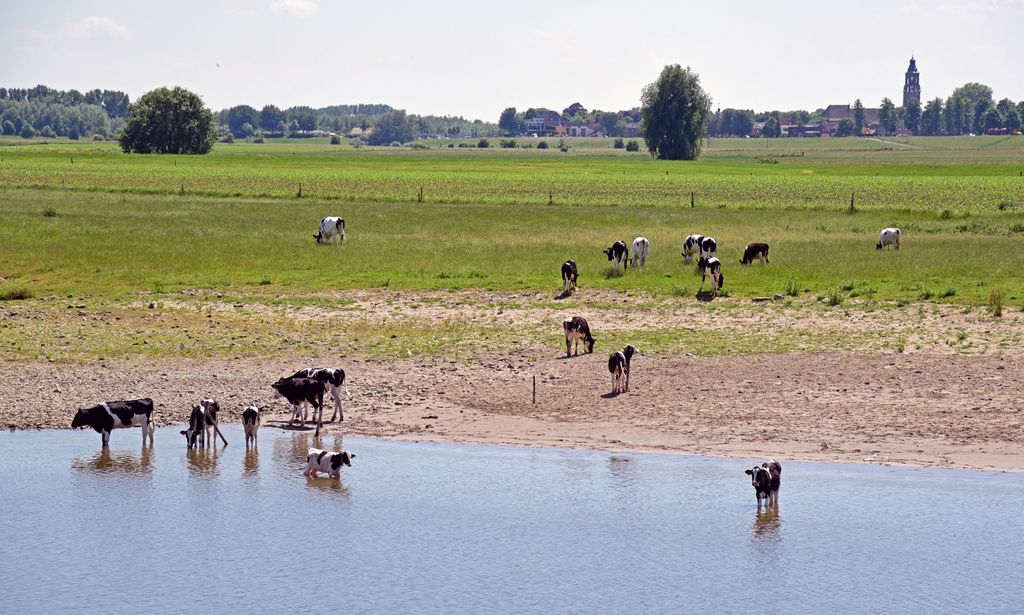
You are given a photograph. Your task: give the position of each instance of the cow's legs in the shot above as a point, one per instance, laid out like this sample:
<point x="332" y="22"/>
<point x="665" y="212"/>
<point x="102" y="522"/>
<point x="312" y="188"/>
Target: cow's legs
<point x="105" y="438"/>
<point x="702" y="278"/>
<point x="336" y="394"/>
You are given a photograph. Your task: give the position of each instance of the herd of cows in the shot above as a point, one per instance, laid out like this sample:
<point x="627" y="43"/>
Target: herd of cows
<point x="309" y="386"/>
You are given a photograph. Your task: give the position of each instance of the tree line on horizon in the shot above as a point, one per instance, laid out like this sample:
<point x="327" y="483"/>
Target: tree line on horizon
<point x="43" y="111"/>
<point x="970" y="109"/>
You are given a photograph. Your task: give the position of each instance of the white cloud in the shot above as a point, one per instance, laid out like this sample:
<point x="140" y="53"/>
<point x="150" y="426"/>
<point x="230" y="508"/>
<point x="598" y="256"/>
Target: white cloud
<point x="299" y="8"/>
<point x="88" y="28"/>
<point x="93" y="26"/>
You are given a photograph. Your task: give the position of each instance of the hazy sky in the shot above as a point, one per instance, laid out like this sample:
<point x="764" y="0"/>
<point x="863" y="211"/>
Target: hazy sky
<point x="476" y="57"/>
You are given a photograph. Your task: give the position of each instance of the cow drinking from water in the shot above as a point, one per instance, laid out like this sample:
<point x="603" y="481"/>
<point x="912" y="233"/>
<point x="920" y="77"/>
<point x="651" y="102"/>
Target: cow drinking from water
<point x="710" y="268"/>
<point x="618" y="366"/>
<point x="640" y="249"/>
<point x="618" y="254"/>
<point x="330" y="228"/>
<point x="196" y="432"/>
<point x="766" y="480"/>
<point x="569" y="276"/>
<point x="755" y="251"/>
<point x="112" y="415"/>
<point x="888" y="238"/>
<point x="576" y="329"/>
<point x="318" y="460"/>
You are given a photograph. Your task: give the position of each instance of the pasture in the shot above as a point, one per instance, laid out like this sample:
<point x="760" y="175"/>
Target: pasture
<point x="123" y="233"/>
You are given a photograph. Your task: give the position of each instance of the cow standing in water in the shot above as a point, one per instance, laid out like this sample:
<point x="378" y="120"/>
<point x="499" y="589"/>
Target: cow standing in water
<point x="111" y="415"/>
<point x="766" y="480"/>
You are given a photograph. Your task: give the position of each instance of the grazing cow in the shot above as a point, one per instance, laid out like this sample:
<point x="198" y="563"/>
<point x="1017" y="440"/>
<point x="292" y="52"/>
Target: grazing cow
<point x="640" y="249"/>
<point x="330" y="228"/>
<point x="211" y="408"/>
<point x="889" y="238"/>
<point x="710" y="267"/>
<point x="115" y="415"/>
<point x="569" y="276"/>
<point x="755" y="250"/>
<point x="298" y="391"/>
<point x="576" y="329"/>
<point x="766" y="479"/>
<point x="250" y="424"/>
<point x="333" y="378"/>
<point x="618" y="366"/>
<point x="708" y="247"/>
<point x="196" y="428"/>
<point x="691" y="247"/>
<point x="318" y="460"/>
<point x="618" y="254"/>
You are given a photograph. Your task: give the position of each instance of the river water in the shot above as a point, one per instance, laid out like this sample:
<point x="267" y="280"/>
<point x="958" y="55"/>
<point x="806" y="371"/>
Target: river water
<point x="443" y="528"/>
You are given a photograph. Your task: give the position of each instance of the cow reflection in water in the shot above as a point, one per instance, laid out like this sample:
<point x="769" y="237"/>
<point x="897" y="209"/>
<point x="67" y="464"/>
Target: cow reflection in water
<point x="202" y="462"/>
<point x="251" y="462"/>
<point x="768" y="524"/>
<point x="125" y="463"/>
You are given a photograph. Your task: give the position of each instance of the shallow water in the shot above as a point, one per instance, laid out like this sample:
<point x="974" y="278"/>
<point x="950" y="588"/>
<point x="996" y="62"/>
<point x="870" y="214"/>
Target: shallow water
<point x="417" y="527"/>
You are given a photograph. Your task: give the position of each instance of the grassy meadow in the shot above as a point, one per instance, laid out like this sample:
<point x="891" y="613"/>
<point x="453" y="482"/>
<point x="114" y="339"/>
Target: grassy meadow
<point x="111" y="230"/>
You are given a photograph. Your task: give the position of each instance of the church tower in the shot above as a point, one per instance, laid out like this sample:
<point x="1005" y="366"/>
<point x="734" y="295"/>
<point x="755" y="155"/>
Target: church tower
<point x="912" y="85"/>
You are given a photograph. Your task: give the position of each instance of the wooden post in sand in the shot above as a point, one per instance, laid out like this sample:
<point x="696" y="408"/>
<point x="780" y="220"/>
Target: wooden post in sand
<point x="535" y="390"/>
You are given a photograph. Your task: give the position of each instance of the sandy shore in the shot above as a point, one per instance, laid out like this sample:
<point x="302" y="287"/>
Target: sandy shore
<point x="916" y="409"/>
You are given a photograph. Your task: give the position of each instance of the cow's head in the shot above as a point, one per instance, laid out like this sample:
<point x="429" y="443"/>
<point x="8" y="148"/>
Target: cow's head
<point x="878" y="246"/>
<point x="191" y="435"/>
<point x="344" y="458"/>
<point x="760" y="478"/>
<point x="319" y="237"/>
<point x="81" y="419"/>
<point x="608" y="253"/>
<point x="589" y="343"/>
<point x="277" y="388"/>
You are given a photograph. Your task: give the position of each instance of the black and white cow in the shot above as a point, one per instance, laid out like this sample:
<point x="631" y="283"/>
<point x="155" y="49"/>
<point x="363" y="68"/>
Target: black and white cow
<point x="576" y="329"/>
<point x="766" y="479"/>
<point x="196" y="432"/>
<point x="888" y="238"/>
<point x="618" y="366"/>
<point x="116" y="415"/>
<point x="691" y="247"/>
<point x="640" y="249"/>
<point x="330" y="228"/>
<point x="318" y="460"/>
<point x="755" y="251"/>
<point x="618" y="254"/>
<point x="569" y="275"/>
<point x="298" y="392"/>
<point x="708" y="247"/>
<point x="710" y="268"/>
<point x="250" y="424"/>
<point x="211" y="408"/>
<point x="333" y="379"/>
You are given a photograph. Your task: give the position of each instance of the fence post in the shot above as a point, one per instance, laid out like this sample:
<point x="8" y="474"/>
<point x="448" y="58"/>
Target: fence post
<point x="419" y="199"/>
<point x="534" y="389"/>
<point x="692" y="200"/>
<point x="851" y="203"/>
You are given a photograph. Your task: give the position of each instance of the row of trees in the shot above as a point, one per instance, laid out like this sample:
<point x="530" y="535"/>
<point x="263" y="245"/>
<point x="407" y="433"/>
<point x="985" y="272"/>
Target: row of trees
<point x="42" y="111"/>
<point x="244" y="121"/>
<point x="614" y="123"/>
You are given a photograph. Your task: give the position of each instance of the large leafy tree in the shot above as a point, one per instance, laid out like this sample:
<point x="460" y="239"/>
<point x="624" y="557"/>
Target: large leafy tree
<point x="858" y="117"/>
<point x="271" y="118"/>
<point x="169" y="121"/>
<point x="391" y="127"/>
<point x="887" y="116"/>
<point x="931" y="117"/>
<point x="912" y="115"/>
<point x="239" y="116"/>
<point x="675" y="110"/>
<point x="507" y="122"/>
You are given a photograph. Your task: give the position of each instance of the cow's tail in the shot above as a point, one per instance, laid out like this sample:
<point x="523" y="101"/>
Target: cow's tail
<point x="721" y="280"/>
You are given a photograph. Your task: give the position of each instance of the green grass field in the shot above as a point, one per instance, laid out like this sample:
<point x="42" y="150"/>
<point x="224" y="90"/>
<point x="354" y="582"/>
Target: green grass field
<point x="121" y="231"/>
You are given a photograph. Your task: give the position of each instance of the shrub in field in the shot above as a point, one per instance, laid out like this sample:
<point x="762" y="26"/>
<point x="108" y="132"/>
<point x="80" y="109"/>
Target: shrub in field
<point x="97" y="137"/>
<point x="418" y="145"/>
<point x="946" y="214"/>
<point x="949" y="292"/>
<point x="996" y="299"/>
<point x="1006" y="205"/>
<point x="483" y="143"/>
<point x="396" y="144"/>
<point x="847" y="285"/>
<point x="27" y="132"/>
<point x="227" y="138"/>
<point x="901" y="344"/>
<point x="925" y="294"/>
<point x="50" y="212"/>
<point x="335" y="140"/>
<point x="633" y="146"/>
<point x="15" y="294"/>
<point x="619" y="144"/>
<point x="9" y="128"/>
<point x="792" y="288"/>
<point x="259" y="138"/>
<point x="542" y="145"/>
<point x="834" y="298"/>
<point x="508" y="143"/>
